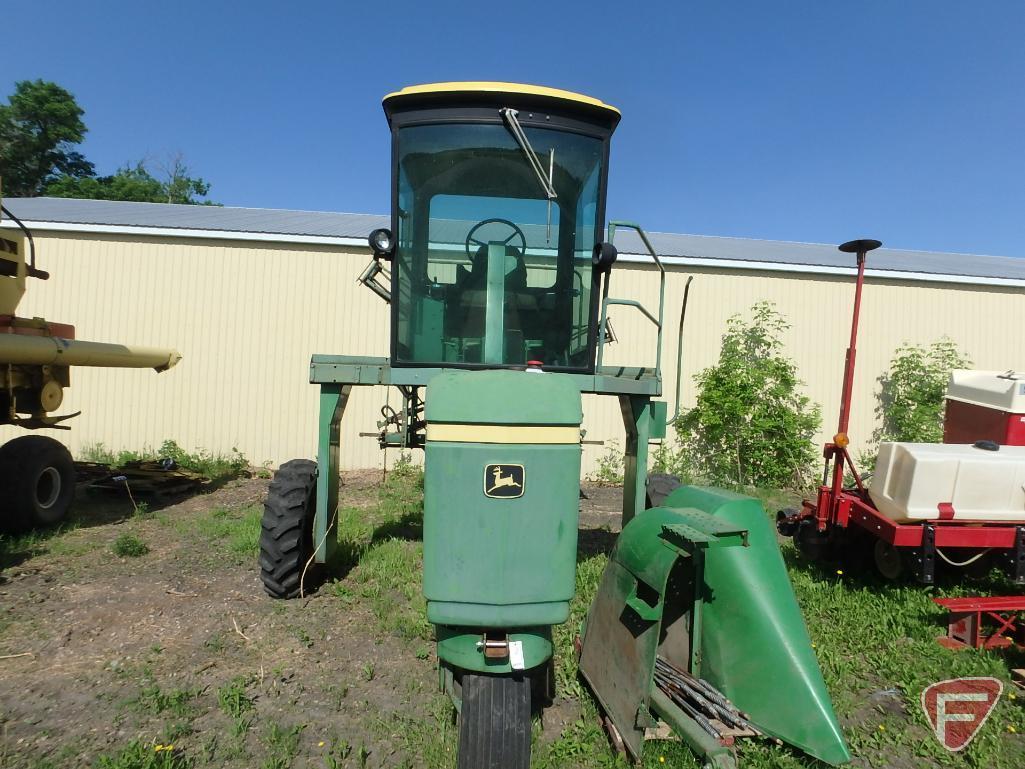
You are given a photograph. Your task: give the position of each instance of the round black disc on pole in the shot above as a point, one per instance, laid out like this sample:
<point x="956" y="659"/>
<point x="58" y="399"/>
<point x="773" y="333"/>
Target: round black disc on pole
<point x="862" y="246"/>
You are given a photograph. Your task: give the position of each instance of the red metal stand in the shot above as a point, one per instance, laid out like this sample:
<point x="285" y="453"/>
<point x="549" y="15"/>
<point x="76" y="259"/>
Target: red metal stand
<point x="984" y="623"/>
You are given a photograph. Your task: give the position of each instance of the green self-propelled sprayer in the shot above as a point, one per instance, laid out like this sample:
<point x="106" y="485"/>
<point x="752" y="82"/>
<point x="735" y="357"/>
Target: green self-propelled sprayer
<point x="497" y="271"/>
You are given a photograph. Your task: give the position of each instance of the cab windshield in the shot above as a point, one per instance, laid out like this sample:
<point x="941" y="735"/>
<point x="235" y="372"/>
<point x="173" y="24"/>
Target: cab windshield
<point x="488" y="269"/>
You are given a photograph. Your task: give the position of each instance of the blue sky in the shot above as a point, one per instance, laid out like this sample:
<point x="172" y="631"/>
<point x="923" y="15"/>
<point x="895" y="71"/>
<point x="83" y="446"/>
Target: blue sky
<point x="812" y="120"/>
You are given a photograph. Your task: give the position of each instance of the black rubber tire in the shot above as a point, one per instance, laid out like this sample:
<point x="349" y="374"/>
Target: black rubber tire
<point x="813" y="544"/>
<point x="888" y="560"/>
<point x="286" y="539"/>
<point x="494" y="722"/>
<point x="658" y="487"/>
<point x="37" y="483"/>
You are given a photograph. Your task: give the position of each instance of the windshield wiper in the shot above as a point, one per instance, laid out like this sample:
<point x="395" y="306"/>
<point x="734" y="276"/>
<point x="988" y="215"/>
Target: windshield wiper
<point x="509" y="115"/>
<point x="516" y="130"/>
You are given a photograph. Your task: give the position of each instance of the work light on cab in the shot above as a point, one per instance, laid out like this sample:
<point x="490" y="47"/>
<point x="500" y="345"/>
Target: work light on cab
<point x="382" y="243"/>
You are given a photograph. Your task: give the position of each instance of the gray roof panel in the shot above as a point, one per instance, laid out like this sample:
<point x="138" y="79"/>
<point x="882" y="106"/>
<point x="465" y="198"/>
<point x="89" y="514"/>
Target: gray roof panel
<point x="214" y="218"/>
<point x="340" y="225"/>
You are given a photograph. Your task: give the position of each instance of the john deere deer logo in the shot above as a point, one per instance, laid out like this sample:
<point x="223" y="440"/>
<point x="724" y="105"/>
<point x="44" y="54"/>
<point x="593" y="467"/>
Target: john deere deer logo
<point x="503" y="481"/>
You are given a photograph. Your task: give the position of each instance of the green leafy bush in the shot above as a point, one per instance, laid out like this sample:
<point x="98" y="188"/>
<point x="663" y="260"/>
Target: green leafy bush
<point x="610" y="467"/>
<point x="751" y="425"/>
<point x="910" y="403"/>
<point x="205" y="463"/>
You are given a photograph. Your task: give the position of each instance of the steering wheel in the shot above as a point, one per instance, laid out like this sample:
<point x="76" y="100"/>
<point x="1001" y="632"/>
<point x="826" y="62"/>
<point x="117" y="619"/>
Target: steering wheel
<point x="515" y="231"/>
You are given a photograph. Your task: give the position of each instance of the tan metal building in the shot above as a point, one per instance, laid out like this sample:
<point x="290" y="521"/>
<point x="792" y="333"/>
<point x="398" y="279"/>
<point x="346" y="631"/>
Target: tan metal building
<point x="247" y="295"/>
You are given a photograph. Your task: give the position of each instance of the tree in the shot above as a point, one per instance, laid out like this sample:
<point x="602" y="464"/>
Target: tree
<point x="911" y="393"/>
<point x="135" y="183"/>
<point x="182" y="188"/>
<point x="39" y="129"/>
<point x="751" y="425"/>
<point x="127" y="183"/>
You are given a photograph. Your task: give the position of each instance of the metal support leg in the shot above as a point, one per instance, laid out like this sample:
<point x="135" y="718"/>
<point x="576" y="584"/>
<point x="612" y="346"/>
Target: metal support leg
<point x="333" y="398"/>
<point x="637" y="421"/>
<point x="925" y="556"/>
<point x="698" y="554"/>
<point x="1014" y="559"/>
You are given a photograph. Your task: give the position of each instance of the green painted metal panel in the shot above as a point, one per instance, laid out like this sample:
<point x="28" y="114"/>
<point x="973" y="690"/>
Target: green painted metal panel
<point x="637" y="422"/>
<point x="333" y="399"/>
<point x="618" y="655"/>
<point x="645" y="606"/>
<point x="504" y="397"/>
<point x="659" y="412"/>
<point x="755" y="647"/>
<point x="514" y="557"/>
<point x="350" y="369"/>
<point x="497" y="615"/>
<point x="500" y="562"/>
<point x="458" y="648"/>
<point x="641" y="549"/>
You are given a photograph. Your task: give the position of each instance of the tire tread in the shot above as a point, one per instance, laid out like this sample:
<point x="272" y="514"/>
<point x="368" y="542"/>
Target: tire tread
<point x="19" y="458"/>
<point x="287" y="527"/>
<point x="494" y="722"/>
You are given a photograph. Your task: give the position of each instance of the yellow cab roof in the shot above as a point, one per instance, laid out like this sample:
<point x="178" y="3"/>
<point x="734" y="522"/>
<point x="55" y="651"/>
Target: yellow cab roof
<point x="511" y="88"/>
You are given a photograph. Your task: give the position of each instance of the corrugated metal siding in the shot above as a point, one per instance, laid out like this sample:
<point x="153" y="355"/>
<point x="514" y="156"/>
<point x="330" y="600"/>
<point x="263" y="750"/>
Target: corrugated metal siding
<point x="984" y="322"/>
<point x="247" y="317"/>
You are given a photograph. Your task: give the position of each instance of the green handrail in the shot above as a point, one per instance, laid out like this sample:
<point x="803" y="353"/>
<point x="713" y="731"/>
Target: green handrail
<point x="661" y="295"/>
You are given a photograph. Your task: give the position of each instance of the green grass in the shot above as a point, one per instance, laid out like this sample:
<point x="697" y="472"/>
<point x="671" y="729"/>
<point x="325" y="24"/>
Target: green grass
<point x="211" y="465"/>
<point x="870" y="638"/>
<point x="381" y="551"/>
<point x="233" y="699"/>
<point x="875" y="643"/>
<point x="229" y="532"/>
<point x="281" y="744"/>
<point x="129" y="546"/>
<point x="15" y="548"/>
<point x="177" y="703"/>
<point x="138" y="755"/>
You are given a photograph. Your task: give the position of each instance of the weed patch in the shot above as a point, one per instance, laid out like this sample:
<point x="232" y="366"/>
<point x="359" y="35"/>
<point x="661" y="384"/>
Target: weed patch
<point x="137" y="755"/>
<point x="214" y="466"/>
<point x="282" y="743"/>
<point x="129" y="546"/>
<point x="234" y="533"/>
<point x="178" y="703"/>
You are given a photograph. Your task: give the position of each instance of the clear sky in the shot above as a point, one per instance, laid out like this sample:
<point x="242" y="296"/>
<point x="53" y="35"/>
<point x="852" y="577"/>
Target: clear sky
<point x="810" y="120"/>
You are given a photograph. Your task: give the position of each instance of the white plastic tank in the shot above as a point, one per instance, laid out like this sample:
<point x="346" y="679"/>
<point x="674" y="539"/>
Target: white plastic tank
<point x="912" y="480"/>
<point x="1002" y="390"/>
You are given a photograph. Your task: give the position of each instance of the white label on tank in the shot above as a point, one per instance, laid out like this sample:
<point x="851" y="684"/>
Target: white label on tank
<point x="516" y="655"/>
<point x="1021" y="389"/>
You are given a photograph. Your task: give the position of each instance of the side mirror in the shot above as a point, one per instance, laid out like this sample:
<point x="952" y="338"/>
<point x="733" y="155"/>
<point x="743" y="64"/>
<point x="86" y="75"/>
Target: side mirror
<point x="603" y="257"/>
<point x="382" y="243"/>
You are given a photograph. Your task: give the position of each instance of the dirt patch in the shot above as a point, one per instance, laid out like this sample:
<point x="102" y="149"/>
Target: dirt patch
<point x="138" y="648"/>
<point x="150" y="648"/>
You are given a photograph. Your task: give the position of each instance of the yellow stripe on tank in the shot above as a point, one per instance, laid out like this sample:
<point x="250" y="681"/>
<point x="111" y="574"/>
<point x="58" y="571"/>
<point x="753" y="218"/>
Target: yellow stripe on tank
<point x="502" y="433"/>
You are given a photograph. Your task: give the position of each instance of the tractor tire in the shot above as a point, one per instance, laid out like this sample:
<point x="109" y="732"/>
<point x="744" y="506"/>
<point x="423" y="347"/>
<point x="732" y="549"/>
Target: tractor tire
<point x="286" y="537"/>
<point x="889" y="561"/>
<point x="494" y="722"/>
<point x="813" y="544"/>
<point x="37" y="480"/>
<point x="658" y="487"/>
